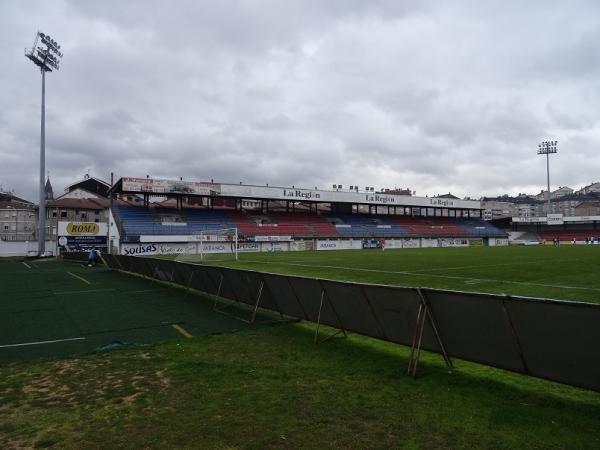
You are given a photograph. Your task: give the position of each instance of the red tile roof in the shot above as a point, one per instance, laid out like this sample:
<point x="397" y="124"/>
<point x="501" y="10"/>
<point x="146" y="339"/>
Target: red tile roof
<point x="84" y="203"/>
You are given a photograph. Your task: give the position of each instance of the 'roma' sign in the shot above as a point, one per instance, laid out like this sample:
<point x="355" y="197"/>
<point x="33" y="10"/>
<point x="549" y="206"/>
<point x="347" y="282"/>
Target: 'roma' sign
<point x="81" y="229"/>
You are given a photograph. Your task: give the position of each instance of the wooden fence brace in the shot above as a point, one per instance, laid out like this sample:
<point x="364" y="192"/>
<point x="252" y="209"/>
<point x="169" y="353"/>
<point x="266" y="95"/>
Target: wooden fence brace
<point x="189" y="283"/>
<point x="341" y="329"/>
<point x="415" y="352"/>
<point x="416" y="342"/>
<point x="435" y="327"/>
<point x="258" y="297"/>
<point x="216" y="296"/>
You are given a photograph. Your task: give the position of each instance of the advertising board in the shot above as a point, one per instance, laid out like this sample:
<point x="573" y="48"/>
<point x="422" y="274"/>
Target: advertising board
<point x="81" y="236"/>
<point x="298" y="246"/>
<point x="274" y="246"/>
<point x="157" y="249"/>
<point x="338" y="244"/>
<point x="555" y="219"/>
<point x="411" y="243"/>
<point x="82" y="243"/>
<point x="82" y="229"/>
<point x="159" y="186"/>
<point x="372" y="243"/>
<point x="272" y="238"/>
<point x="426" y="243"/>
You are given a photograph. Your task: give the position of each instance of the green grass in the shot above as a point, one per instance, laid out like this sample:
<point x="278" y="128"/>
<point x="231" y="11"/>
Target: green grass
<point x="85" y="308"/>
<point x="567" y="272"/>
<point x="273" y="388"/>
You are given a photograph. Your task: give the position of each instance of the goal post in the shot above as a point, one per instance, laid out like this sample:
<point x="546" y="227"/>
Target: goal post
<point x="212" y="245"/>
<point x="219" y="244"/>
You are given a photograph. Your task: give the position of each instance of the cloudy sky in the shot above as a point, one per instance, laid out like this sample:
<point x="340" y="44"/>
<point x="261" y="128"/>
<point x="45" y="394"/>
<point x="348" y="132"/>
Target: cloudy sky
<point x="435" y="96"/>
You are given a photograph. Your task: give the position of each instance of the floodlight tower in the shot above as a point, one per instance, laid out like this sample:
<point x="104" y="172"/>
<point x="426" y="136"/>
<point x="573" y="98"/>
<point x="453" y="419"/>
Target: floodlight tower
<point x="46" y="56"/>
<point x="545" y="148"/>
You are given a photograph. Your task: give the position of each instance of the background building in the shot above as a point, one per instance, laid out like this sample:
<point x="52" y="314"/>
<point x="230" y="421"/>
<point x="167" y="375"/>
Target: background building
<point x="18" y="218"/>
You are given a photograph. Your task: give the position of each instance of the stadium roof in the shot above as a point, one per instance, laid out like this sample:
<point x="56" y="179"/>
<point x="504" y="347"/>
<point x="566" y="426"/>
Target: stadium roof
<point x="174" y="188"/>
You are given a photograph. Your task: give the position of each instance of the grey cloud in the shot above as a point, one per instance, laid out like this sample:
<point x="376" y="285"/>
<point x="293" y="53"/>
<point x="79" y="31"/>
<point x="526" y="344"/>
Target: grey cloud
<point x="434" y="96"/>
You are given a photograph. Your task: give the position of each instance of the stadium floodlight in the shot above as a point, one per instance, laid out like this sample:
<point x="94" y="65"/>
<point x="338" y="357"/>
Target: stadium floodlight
<point x="546" y="148"/>
<point x="47" y="57"/>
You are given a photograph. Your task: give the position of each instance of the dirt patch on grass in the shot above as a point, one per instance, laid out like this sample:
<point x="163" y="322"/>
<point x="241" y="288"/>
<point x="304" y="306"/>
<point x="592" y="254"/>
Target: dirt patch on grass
<point x="84" y="381"/>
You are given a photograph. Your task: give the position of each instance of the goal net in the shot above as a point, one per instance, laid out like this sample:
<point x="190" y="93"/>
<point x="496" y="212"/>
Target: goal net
<point x="212" y="246"/>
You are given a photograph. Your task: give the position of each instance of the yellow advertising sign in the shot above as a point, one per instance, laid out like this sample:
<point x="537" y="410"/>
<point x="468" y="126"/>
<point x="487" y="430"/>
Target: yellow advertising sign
<point x="82" y="229"/>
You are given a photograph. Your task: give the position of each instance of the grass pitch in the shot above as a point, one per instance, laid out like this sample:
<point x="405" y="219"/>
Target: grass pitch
<point x="567" y="272"/>
<point x="271" y="387"/>
<point x="51" y="308"/>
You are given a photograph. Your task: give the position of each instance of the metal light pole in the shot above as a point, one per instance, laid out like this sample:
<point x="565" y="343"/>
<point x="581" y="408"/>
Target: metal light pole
<point x="545" y="148"/>
<point x="47" y="57"/>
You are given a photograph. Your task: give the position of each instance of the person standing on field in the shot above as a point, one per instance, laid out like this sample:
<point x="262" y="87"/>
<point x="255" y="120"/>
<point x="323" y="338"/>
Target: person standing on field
<point x="92" y="257"/>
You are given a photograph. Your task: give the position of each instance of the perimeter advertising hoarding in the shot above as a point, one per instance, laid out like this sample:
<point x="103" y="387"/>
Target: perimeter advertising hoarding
<point x="272" y="238"/>
<point x="339" y="244"/>
<point x="555" y="219"/>
<point x="155" y="248"/>
<point x="316" y="195"/>
<point x="165" y="187"/>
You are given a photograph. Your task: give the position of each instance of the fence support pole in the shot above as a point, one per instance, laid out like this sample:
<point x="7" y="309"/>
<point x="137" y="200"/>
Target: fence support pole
<point x="415" y="351"/>
<point x="340" y="330"/>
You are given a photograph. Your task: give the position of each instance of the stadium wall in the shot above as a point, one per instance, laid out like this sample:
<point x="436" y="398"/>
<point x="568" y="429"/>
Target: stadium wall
<point x="24" y="248"/>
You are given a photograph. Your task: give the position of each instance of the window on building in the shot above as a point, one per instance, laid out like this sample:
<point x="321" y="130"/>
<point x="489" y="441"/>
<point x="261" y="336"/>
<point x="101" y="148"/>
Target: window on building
<point x="63" y="214"/>
<point x="53" y="213"/>
<point x="5" y="227"/>
<point x="83" y="216"/>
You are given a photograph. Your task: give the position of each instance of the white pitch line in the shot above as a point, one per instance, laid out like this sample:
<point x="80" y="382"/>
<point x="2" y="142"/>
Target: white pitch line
<point x="83" y="291"/>
<point x="491" y="280"/>
<point x="42" y="342"/>
<point x="485" y="265"/>
<point x="26" y="265"/>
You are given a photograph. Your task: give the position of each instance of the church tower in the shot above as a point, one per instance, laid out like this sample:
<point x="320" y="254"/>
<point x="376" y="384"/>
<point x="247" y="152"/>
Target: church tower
<point x="49" y="193"/>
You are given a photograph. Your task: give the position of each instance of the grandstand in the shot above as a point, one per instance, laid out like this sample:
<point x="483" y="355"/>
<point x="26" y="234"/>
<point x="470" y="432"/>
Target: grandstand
<point x="582" y="229"/>
<point x="290" y="216"/>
